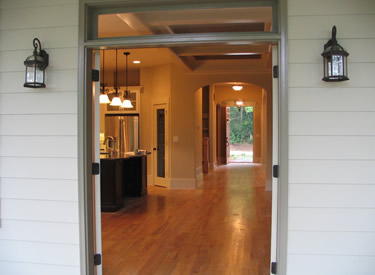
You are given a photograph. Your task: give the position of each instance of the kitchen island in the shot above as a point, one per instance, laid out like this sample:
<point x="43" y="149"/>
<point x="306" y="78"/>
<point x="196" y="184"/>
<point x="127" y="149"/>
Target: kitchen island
<point x="121" y="175"/>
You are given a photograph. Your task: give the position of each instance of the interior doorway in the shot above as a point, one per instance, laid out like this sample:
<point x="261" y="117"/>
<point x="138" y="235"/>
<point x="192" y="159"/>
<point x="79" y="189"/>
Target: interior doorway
<point x="160" y="144"/>
<point x="158" y="121"/>
<point x="241" y="139"/>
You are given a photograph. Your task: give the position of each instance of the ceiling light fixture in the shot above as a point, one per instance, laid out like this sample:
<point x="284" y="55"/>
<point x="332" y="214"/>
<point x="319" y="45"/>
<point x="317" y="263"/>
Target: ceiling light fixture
<point x="116" y="100"/>
<point x="103" y="98"/>
<point x="137" y="62"/>
<point x="237" y="87"/>
<point x="127" y="103"/>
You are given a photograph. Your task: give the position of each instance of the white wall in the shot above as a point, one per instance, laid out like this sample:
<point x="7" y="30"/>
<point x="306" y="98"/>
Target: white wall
<point x="39" y="232"/>
<point x="332" y="141"/>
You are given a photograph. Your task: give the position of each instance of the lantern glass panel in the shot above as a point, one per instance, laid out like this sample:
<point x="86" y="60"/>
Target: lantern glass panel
<point x="337" y="65"/>
<point x="345" y="67"/>
<point x="30" y="73"/>
<point x="39" y="75"/>
<point x="328" y="66"/>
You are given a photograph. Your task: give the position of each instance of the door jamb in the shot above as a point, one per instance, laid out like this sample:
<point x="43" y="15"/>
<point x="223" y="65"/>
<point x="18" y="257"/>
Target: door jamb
<point x="84" y="124"/>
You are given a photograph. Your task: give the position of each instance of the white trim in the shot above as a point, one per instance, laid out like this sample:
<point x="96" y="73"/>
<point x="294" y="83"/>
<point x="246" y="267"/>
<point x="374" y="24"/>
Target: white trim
<point x="198" y="176"/>
<point x="275" y="156"/>
<point x="182" y="183"/>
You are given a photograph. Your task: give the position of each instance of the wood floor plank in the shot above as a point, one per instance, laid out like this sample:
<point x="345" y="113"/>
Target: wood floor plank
<point x="222" y="228"/>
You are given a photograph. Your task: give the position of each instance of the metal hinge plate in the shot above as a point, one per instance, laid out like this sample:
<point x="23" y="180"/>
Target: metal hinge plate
<point x="275" y="171"/>
<point x="273" y="268"/>
<point x="95" y="75"/>
<point x="276" y="71"/>
<point x="97" y="259"/>
<point x="95" y="168"/>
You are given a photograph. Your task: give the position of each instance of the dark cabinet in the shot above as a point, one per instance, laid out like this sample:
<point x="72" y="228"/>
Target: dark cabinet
<point x="135" y="177"/>
<point x="110" y="185"/>
<point x="122" y="177"/>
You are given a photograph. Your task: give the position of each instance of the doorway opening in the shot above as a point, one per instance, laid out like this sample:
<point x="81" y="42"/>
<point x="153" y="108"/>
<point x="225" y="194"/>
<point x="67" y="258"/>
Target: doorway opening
<point x="153" y="205"/>
<point x="194" y="60"/>
<point x="241" y="138"/>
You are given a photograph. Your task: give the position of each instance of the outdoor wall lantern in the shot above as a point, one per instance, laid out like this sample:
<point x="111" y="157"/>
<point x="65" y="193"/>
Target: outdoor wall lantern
<point x="335" y="60"/>
<point x="35" y="67"/>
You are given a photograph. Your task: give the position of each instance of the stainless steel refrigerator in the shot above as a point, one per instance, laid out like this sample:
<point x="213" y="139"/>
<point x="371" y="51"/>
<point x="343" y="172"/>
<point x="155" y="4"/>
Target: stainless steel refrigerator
<point x="125" y="130"/>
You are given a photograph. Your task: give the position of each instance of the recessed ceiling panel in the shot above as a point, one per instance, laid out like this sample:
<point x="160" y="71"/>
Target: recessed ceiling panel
<point x="227" y="57"/>
<point x="244" y="19"/>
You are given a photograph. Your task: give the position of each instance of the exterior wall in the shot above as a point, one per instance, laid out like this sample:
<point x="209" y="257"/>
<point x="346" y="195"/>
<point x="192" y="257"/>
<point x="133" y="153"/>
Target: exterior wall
<point x="332" y="137"/>
<point x="39" y="231"/>
<point x="331" y="143"/>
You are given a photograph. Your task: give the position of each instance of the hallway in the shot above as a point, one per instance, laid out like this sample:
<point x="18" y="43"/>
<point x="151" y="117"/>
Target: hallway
<point x="222" y="228"/>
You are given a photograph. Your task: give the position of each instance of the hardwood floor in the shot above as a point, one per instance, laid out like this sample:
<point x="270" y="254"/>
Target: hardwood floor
<point x="222" y="228"/>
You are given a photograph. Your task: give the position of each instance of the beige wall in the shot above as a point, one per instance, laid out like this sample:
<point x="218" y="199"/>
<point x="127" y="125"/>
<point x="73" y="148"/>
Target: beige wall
<point x="251" y="96"/>
<point x="178" y="85"/>
<point x="156" y="87"/>
<point x="184" y="85"/>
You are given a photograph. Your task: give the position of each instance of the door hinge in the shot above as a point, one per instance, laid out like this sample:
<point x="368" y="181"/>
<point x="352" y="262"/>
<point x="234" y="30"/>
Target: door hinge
<point x="97" y="259"/>
<point x="95" y="75"/>
<point x="275" y="171"/>
<point x="95" y="168"/>
<point x="276" y="71"/>
<point x="273" y="268"/>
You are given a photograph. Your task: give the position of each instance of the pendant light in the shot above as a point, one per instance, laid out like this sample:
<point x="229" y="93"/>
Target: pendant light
<point x="127" y="103"/>
<point x="116" y="100"/>
<point x="103" y="98"/>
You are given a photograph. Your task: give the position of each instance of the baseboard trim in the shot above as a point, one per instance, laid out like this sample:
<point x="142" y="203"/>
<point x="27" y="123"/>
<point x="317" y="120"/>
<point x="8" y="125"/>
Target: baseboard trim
<point x="183" y="183"/>
<point x="150" y="180"/>
<point x="213" y="165"/>
<point x="198" y="176"/>
<point x="198" y="171"/>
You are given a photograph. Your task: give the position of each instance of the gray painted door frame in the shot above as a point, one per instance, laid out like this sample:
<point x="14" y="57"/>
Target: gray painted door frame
<point x="87" y="9"/>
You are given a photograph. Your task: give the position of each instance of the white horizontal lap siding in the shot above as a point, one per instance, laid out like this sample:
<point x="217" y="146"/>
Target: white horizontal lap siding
<point x="331" y="141"/>
<point x="39" y="232"/>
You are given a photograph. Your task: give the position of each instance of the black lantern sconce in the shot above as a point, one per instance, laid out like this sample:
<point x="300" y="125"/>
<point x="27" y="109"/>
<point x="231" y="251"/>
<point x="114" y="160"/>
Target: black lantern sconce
<point x="35" y="67"/>
<point x="335" y="60"/>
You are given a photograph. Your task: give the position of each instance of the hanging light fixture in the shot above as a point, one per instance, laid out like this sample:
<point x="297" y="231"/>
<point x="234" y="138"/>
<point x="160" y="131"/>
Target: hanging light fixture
<point x="116" y="100"/>
<point x="239" y="102"/>
<point x="127" y="103"/>
<point x="35" y="67"/>
<point x="335" y="60"/>
<point x="103" y="98"/>
<point x="237" y="87"/>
